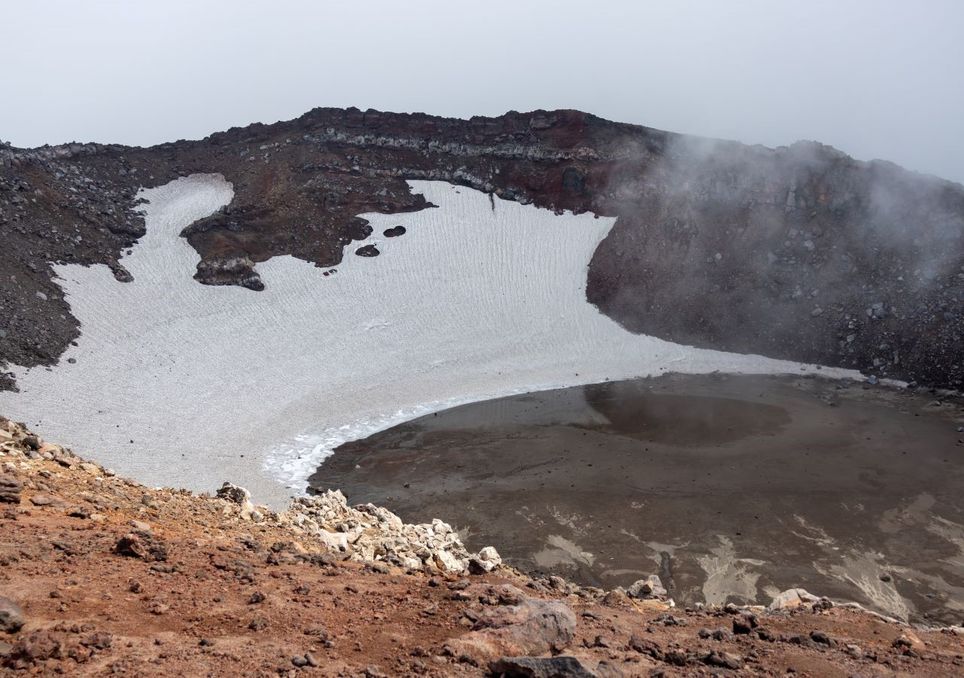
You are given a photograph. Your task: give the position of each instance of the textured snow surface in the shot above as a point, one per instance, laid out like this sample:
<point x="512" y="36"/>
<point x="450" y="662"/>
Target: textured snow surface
<point x="479" y="299"/>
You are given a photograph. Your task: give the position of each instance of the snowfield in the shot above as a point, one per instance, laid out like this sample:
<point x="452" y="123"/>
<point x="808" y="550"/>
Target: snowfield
<point x="180" y="384"/>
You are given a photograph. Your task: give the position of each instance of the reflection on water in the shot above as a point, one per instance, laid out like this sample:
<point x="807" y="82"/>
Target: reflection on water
<point x="632" y="409"/>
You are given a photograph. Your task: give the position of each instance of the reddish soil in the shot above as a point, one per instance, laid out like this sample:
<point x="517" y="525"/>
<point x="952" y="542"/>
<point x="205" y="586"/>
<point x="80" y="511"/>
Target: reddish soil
<point x="198" y="591"/>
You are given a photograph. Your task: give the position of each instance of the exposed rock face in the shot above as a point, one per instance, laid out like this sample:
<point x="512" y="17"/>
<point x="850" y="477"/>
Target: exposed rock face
<point x="800" y="253"/>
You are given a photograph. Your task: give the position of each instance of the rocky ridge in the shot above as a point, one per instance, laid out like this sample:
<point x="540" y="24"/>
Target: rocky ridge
<point x="103" y="576"/>
<point x="798" y="252"/>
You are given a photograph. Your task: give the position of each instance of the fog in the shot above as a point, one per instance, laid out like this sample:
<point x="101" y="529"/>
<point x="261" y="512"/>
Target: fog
<point x="877" y="79"/>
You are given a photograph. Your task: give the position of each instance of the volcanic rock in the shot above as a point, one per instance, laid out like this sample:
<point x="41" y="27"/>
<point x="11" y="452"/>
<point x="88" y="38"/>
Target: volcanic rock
<point x="141" y="544"/>
<point x="11" y="616"/>
<point x="10" y="489"/>
<point x="532" y="627"/>
<point x="242" y="498"/>
<point x="487" y="560"/>
<point x="540" y="667"/>
<point x="791" y="599"/>
<point x="651" y="587"/>
<point x="805" y="216"/>
<point x="725" y="660"/>
<point x="371" y="533"/>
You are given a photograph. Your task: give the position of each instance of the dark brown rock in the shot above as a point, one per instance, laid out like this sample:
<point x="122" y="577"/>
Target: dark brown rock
<point x="36" y="647"/>
<point x="540" y="667"/>
<point x="143" y="545"/>
<point x="10" y="489"/>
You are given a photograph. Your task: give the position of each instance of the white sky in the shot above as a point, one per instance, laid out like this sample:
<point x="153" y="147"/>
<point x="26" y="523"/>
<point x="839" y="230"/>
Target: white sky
<point x="876" y="78"/>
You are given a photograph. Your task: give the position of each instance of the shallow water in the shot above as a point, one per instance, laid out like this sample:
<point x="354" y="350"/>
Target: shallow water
<point x="729" y="488"/>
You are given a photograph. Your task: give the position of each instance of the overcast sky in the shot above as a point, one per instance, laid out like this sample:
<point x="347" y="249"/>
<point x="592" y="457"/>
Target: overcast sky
<point x="876" y="78"/>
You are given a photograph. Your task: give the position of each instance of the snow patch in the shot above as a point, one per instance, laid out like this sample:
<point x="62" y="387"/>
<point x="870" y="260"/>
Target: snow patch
<point x="177" y="383"/>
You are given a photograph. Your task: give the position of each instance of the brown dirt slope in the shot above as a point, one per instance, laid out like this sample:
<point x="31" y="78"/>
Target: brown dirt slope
<point x="102" y="576"/>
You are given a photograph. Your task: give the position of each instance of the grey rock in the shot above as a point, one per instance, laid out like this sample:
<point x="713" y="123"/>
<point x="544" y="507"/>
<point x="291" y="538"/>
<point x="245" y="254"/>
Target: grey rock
<point x="722" y="659"/>
<point x="44" y="500"/>
<point x="11" y="616"/>
<point x="540" y="667"/>
<point x="651" y="587"/>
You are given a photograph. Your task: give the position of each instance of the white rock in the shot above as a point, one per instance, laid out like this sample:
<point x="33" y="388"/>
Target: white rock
<point x="335" y="541"/>
<point x="791" y="598"/>
<point x="447" y="562"/>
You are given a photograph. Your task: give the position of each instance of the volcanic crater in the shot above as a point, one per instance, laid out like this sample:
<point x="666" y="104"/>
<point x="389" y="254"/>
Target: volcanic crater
<point x="195" y="311"/>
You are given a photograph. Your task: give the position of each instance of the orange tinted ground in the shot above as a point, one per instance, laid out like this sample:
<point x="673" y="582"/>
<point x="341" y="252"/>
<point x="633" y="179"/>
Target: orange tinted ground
<point x="236" y="598"/>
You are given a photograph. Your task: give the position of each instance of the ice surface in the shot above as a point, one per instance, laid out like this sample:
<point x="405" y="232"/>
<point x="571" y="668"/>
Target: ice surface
<point x="479" y="299"/>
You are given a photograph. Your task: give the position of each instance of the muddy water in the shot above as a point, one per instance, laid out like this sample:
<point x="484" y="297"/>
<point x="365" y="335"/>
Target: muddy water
<point x="730" y="488"/>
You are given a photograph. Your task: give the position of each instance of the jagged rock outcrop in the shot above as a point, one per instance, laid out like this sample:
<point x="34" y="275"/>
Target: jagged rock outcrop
<point x="800" y="253"/>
